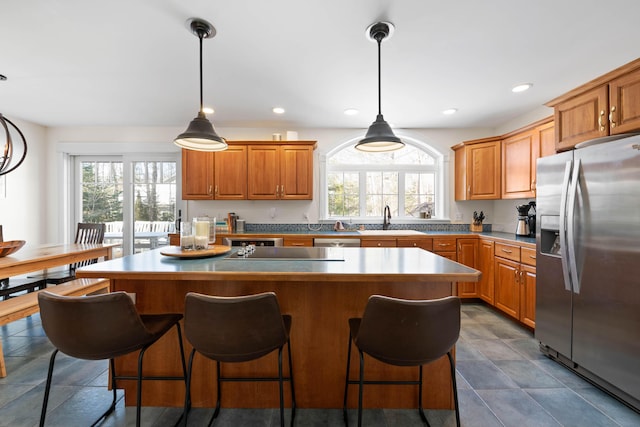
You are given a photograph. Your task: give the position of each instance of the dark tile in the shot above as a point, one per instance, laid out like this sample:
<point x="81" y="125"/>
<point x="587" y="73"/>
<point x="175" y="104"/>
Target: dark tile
<point x="562" y="374"/>
<point x="494" y="349"/>
<point x="474" y="412"/>
<point x="527" y="375"/>
<point x="517" y="408"/>
<point x="509" y="330"/>
<point x="466" y="351"/>
<point x="370" y="418"/>
<point x="476" y="332"/>
<point x="528" y="347"/>
<point x="569" y="408"/>
<point x="483" y="374"/>
<point x="620" y="413"/>
<point x="318" y="417"/>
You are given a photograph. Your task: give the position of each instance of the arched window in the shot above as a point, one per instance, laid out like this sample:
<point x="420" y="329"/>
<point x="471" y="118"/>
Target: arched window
<point x="360" y="184"/>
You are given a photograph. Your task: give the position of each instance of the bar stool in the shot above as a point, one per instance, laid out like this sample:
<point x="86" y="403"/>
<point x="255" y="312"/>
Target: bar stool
<point x="237" y="329"/>
<point x="404" y="333"/>
<point x="101" y="327"/>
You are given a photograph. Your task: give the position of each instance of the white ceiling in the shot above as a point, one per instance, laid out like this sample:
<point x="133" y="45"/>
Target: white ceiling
<point x="135" y="63"/>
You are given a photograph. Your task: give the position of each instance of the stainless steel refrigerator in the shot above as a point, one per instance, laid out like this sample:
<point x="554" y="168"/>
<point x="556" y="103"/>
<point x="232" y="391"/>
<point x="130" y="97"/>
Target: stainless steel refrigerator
<point x="588" y="262"/>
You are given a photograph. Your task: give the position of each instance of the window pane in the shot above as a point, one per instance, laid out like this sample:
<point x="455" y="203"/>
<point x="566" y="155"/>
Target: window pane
<point x="419" y="193"/>
<point x="154" y="204"/>
<point x="382" y="189"/>
<point x="343" y="190"/>
<point x="409" y="155"/>
<point x="101" y="191"/>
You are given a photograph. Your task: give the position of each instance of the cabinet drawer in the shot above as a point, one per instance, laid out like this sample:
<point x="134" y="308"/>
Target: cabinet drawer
<point x="453" y="256"/>
<point x="528" y="256"/>
<point x="412" y="242"/>
<point x="444" y="244"/>
<point x="511" y="252"/>
<point x="378" y="243"/>
<point x="298" y="241"/>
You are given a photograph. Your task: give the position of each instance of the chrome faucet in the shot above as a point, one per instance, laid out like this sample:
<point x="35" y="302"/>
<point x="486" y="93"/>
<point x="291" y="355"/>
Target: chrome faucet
<point x="386" y="217"/>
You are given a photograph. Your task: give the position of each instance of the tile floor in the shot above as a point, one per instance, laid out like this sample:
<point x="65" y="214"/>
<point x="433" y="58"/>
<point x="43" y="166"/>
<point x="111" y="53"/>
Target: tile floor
<point x="503" y="380"/>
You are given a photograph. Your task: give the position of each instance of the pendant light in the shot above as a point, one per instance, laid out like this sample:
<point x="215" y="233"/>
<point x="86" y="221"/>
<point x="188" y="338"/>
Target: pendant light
<point x="379" y="137"/>
<point x="200" y="135"/>
<point x="11" y="155"/>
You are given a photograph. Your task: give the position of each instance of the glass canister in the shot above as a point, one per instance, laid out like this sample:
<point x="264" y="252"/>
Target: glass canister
<point x="186" y="236"/>
<point x="201" y="228"/>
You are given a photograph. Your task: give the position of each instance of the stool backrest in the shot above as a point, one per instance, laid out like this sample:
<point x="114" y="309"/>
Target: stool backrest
<point x="409" y="332"/>
<point x="234" y="329"/>
<point x="93" y="327"/>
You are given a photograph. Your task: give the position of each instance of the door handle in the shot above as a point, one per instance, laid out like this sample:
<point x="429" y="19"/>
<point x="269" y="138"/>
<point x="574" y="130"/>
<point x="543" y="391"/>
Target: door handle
<point x="563" y="225"/>
<point x="571" y="249"/>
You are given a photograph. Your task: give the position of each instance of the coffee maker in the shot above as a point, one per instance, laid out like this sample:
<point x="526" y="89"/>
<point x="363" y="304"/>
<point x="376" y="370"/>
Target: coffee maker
<point x="526" y="221"/>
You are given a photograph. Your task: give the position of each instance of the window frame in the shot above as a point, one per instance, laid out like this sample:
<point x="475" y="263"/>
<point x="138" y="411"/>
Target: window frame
<point x="440" y="169"/>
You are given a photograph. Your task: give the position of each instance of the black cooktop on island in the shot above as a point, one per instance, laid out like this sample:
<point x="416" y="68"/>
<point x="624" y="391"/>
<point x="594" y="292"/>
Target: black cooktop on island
<point x="286" y="253"/>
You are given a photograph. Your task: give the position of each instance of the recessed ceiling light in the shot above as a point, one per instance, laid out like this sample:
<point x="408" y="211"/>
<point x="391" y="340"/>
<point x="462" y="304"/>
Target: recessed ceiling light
<point x="521" y="87"/>
<point x="450" y="111"/>
<point x="351" y="112"/>
<point x="278" y="110"/>
<point x="207" y="110"/>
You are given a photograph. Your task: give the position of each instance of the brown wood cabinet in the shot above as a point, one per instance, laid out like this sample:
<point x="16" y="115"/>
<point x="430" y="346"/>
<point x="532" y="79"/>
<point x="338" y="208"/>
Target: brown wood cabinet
<point x="467" y="254"/>
<point x="515" y="282"/>
<point x="281" y="171"/>
<point x="477" y="170"/>
<point x="298" y="241"/>
<point x="230" y="173"/>
<point x="385" y="242"/>
<point x="197" y="175"/>
<point x="607" y="105"/>
<point x="425" y="243"/>
<point x="520" y="153"/>
<point x="220" y="176"/>
<point x="485" y="264"/>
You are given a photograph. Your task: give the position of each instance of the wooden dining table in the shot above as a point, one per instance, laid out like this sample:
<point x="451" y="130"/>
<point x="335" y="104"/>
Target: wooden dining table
<point x="31" y="259"/>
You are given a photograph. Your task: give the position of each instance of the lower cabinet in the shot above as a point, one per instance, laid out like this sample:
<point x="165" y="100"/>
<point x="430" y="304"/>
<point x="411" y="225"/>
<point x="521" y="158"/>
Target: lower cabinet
<point x="467" y="254"/>
<point x="515" y="282"/>
<point x="378" y="243"/>
<point x="298" y="241"/>
<point x="485" y="264"/>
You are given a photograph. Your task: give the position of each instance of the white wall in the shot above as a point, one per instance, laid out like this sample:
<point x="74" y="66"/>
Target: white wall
<point x="23" y="207"/>
<point x="36" y="198"/>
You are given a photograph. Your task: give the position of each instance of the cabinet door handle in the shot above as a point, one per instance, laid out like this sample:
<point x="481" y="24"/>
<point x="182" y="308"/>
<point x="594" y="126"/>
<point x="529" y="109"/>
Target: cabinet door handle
<point x="469" y="190"/>
<point x="297" y="244"/>
<point x="216" y="190"/>
<point x="532" y="256"/>
<point x="515" y="275"/>
<point x="601" y="121"/>
<point x="507" y="251"/>
<point x="282" y="190"/>
<point x="210" y="188"/>
<point x="611" y="118"/>
<point x="379" y="244"/>
<point x="277" y="193"/>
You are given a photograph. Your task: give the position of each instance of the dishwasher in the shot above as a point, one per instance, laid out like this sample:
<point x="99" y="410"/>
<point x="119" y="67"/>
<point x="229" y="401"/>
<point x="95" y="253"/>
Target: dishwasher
<point x="328" y="242"/>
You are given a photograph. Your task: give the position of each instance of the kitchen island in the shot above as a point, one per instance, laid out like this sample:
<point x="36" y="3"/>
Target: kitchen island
<point x="320" y="295"/>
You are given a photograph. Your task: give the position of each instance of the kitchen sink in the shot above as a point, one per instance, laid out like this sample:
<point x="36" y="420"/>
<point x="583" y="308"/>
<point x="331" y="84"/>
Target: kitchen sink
<point x="387" y="232"/>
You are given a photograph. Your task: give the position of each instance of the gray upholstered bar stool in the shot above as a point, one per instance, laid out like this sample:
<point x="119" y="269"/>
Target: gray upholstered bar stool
<point x="404" y="333"/>
<point x="101" y="327"/>
<point x="237" y="329"/>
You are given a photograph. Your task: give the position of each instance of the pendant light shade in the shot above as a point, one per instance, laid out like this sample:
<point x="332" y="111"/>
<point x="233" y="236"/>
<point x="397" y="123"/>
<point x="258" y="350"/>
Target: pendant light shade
<point x="379" y="137"/>
<point x="200" y="135"/>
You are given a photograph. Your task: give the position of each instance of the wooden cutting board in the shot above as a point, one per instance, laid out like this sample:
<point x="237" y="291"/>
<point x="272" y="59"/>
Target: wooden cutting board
<point x="212" y="250"/>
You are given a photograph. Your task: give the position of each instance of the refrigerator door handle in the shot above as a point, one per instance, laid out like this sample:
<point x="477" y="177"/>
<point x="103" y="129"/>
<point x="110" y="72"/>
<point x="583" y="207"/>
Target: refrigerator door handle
<point x="564" y="251"/>
<point x="573" y="196"/>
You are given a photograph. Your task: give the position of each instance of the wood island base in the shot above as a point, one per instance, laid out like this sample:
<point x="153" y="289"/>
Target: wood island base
<point x="319" y="339"/>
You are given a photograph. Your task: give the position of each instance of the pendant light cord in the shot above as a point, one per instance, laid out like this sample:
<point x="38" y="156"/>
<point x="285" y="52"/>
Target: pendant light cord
<point x="379" y="39"/>
<point x="200" y="36"/>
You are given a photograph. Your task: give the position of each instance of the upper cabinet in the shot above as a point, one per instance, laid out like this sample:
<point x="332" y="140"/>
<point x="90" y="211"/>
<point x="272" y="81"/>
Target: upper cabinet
<point x="605" y="106"/>
<point x="220" y="176"/>
<point x="281" y="171"/>
<point x="477" y="169"/>
<point x="520" y="152"/>
<point x="250" y="170"/>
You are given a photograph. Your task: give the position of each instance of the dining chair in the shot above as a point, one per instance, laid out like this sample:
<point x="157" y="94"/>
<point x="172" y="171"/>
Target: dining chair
<point x="101" y="327"/>
<point x="88" y="233"/>
<point x="404" y="333"/>
<point x="237" y="329"/>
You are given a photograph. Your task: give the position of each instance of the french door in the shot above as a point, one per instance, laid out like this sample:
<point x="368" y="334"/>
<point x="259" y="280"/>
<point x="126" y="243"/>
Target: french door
<point x="136" y="198"/>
